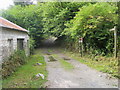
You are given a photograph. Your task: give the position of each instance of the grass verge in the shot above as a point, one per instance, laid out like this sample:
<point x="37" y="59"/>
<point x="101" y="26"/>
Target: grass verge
<point x="101" y="63"/>
<point x="23" y="77"/>
<point x="66" y="65"/>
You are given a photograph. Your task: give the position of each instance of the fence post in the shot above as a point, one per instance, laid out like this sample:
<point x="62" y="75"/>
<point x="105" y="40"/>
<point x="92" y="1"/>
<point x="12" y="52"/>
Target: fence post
<point x="115" y="42"/>
<point x="81" y="46"/>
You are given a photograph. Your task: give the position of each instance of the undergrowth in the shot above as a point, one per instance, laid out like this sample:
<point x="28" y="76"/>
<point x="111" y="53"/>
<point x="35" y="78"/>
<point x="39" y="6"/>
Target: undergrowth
<point x="15" y="60"/>
<point x="23" y="77"/>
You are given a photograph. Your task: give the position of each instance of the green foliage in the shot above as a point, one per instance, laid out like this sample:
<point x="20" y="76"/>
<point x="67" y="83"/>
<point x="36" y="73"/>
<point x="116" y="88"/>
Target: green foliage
<point x="56" y="14"/>
<point x="23" y="77"/>
<point x="43" y="18"/>
<point x="93" y="23"/>
<point x="10" y="65"/>
<point x="32" y="45"/>
<point x="28" y="17"/>
<point x="69" y="21"/>
<point x="118" y="28"/>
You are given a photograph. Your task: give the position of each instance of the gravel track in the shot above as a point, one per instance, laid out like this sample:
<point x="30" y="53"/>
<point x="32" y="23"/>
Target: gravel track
<point x="81" y="76"/>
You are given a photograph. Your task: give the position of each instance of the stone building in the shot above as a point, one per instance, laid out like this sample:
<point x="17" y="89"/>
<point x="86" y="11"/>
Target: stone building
<point x="12" y="37"/>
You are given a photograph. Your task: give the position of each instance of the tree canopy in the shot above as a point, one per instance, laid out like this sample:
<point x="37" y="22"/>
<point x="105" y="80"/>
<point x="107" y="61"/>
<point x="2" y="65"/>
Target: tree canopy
<point x="72" y="20"/>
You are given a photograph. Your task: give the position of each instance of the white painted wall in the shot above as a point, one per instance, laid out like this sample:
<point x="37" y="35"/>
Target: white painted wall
<point x="12" y="34"/>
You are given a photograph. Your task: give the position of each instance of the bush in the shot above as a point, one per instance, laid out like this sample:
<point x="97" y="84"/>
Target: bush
<point x="93" y="23"/>
<point x="32" y="45"/>
<point x="15" y="60"/>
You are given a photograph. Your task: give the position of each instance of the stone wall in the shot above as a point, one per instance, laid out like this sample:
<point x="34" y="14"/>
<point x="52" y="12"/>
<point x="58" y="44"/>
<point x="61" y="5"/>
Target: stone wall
<point x="0" y="44"/>
<point x="9" y="41"/>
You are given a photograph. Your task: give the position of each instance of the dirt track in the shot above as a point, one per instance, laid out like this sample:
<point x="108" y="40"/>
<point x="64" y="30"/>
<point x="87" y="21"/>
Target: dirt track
<point x="81" y="76"/>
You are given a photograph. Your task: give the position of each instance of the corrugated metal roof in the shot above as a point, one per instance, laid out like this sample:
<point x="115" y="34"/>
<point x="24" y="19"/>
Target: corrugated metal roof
<point x="8" y="24"/>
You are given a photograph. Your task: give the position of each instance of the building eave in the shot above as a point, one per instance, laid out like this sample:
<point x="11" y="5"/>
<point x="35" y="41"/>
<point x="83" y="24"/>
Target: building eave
<point x="15" y="29"/>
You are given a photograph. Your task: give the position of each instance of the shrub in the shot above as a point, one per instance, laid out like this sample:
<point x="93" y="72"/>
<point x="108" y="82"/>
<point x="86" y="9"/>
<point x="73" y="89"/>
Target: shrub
<point x="92" y="23"/>
<point x="32" y="45"/>
<point x="15" y="60"/>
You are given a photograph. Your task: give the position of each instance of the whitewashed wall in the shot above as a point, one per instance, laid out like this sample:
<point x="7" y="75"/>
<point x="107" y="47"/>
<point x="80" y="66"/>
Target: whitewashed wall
<point x="12" y="34"/>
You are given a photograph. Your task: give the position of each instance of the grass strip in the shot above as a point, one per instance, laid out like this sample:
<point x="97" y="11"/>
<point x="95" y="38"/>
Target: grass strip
<point x="23" y="77"/>
<point x="66" y="65"/>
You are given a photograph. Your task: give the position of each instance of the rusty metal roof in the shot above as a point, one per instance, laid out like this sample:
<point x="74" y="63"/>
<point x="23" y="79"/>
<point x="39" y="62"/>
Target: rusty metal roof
<point x="7" y="24"/>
